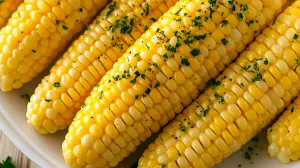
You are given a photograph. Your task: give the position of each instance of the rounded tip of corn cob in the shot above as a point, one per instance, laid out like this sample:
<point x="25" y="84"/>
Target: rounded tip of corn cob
<point x="34" y="35"/>
<point x="284" y="136"/>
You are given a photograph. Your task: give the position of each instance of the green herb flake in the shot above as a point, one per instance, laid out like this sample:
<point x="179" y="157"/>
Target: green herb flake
<point x="255" y="139"/>
<point x="224" y="23"/>
<point x="185" y="62"/>
<point x="136" y="96"/>
<point x="266" y="61"/>
<point x="57" y="22"/>
<point x="111" y="8"/>
<point x="182" y="127"/>
<point x="163" y="166"/>
<point x="83" y="105"/>
<point x="177" y="13"/>
<point x="195" y="52"/>
<point x="2" y="1"/>
<point x="296" y="36"/>
<point x="34" y="51"/>
<point x="153" y="19"/>
<point x="56" y="84"/>
<point x="80" y="10"/>
<point x="48" y="100"/>
<point x="147" y="91"/>
<point x="7" y="163"/>
<point x="26" y="97"/>
<point x="247" y="156"/>
<point x="147" y="9"/>
<point x="250" y="22"/>
<point x="244" y="7"/>
<point x="240" y="16"/>
<point x="157" y="84"/>
<point x="250" y="148"/>
<point x="224" y="41"/>
<point x="297" y="65"/>
<point x="220" y="98"/>
<point x="292" y="109"/>
<point x="65" y="27"/>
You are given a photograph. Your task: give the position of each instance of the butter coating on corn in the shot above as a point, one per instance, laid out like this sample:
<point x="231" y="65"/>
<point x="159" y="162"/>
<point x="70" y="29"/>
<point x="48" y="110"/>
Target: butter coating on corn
<point x="7" y="7"/>
<point x="36" y="32"/>
<point x="284" y="137"/>
<point x="159" y="75"/>
<point x="72" y="78"/>
<point x="237" y="105"/>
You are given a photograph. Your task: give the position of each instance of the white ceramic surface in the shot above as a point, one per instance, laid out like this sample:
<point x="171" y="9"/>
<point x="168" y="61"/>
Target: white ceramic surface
<point x="45" y="150"/>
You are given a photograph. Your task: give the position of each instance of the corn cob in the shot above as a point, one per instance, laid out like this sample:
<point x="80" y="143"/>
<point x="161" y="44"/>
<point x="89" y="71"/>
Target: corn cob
<point x="160" y="75"/>
<point x="7" y="7"/>
<point x="36" y="32"/>
<point x="237" y="105"/>
<point x="284" y="137"/>
<point x="88" y="59"/>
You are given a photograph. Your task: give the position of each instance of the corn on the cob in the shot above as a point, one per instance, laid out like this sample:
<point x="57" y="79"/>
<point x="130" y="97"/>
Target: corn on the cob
<point x="237" y="105"/>
<point x="284" y="137"/>
<point x="88" y="59"/>
<point x="36" y="32"/>
<point x="7" y="7"/>
<point x="160" y="75"/>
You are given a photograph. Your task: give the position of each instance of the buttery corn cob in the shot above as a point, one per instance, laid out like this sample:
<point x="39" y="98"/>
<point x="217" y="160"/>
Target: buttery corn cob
<point x="238" y="104"/>
<point x="36" y="32"/>
<point x="87" y="60"/>
<point x="7" y="7"/>
<point x="160" y="75"/>
<point x="284" y="137"/>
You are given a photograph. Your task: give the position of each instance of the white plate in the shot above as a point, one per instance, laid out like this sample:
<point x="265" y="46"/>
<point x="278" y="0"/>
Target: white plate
<point x="45" y="150"/>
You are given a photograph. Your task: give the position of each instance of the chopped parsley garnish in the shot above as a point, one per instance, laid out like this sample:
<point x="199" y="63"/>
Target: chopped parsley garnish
<point x="185" y="62"/>
<point x="212" y="2"/>
<point x="214" y="83"/>
<point x="177" y="13"/>
<point x="266" y="61"/>
<point x="296" y="36"/>
<point x="247" y="156"/>
<point x="232" y="8"/>
<point x="147" y="91"/>
<point x="182" y="127"/>
<point x="157" y="84"/>
<point x="220" y="98"/>
<point x="244" y="7"/>
<point x="125" y="27"/>
<point x="197" y="21"/>
<point x="297" y="65"/>
<point x="101" y="94"/>
<point x="250" y="22"/>
<point x="136" y="96"/>
<point x="195" y="52"/>
<point x="292" y="109"/>
<point x="192" y="39"/>
<point x="240" y="16"/>
<point x="56" y="84"/>
<point x="1" y="1"/>
<point x="163" y="166"/>
<point x="33" y="51"/>
<point x="173" y="48"/>
<point x="137" y="55"/>
<point x="111" y="8"/>
<point x="26" y="96"/>
<point x="224" y="41"/>
<point x="65" y="27"/>
<point x="48" y="100"/>
<point x="211" y="11"/>
<point x="165" y="56"/>
<point x="7" y="163"/>
<point x="80" y="9"/>
<point x="117" y="77"/>
<point x="83" y="105"/>
<point x="147" y="9"/>
<point x="57" y="22"/>
<point x="224" y="23"/>
<point x="85" y="27"/>
<point x="205" y="111"/>
<point x="153" y="19"/>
